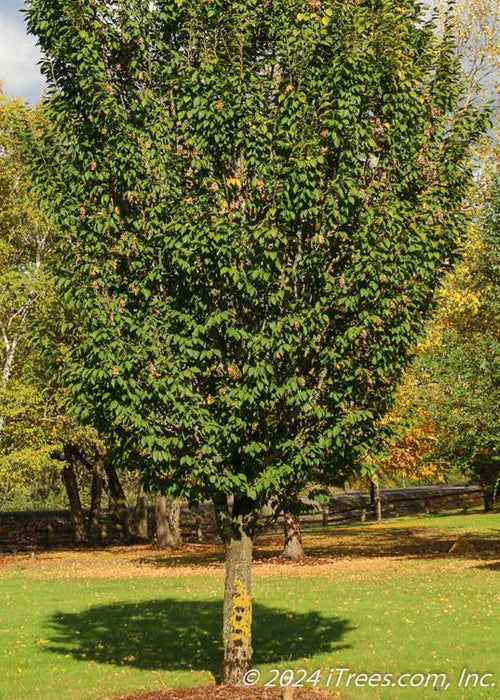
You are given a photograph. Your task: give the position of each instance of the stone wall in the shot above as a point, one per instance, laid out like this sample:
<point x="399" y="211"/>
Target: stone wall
<point x="356" y="507"/>
<point x="21" y="531"/>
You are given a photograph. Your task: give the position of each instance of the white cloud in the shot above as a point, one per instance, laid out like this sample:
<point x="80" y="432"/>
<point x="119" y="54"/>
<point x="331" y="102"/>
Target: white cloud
<point x="18" y="62"/>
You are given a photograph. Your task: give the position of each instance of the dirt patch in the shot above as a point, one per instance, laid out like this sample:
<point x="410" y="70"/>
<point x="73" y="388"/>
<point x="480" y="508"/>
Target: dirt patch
<point x="227" y="693"/>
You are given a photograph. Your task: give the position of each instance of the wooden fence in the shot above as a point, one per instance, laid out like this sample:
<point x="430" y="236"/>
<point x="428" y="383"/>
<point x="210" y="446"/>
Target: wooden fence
<point x="21" y="531"/>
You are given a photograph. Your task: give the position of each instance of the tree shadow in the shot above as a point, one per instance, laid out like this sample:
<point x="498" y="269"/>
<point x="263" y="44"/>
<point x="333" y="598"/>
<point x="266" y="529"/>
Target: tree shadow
<point x="491" y="566"/>
<point x="422" y="543"/>
<point x="373" y="541"/>
<point x="172" y="634"/>
<point x="183" y="557"/>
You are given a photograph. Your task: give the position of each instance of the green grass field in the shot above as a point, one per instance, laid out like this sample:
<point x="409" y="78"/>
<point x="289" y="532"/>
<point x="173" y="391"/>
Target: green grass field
<point x="374" y="599"/>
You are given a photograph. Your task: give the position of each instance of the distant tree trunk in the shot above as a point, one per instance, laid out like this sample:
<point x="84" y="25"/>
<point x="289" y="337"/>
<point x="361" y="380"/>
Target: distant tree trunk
<point x="293" y="537"/>
<point x="168" y="522"/>
<point x="375" y="499"/>
<point x="140" y="520"/>
<point x="96" y="531"/>
<point x="237" y="616"/>
<point x="488" y="497"/>
<point x="119" y="499"/>
<point x="75" y="504"/>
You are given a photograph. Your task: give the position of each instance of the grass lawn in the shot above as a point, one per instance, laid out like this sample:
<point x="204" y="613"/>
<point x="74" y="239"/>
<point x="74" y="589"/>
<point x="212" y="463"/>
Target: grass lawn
<point x="382" y="599"/>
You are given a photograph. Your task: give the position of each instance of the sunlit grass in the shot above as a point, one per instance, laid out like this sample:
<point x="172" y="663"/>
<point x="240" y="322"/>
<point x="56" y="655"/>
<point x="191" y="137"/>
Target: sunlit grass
<point x="89" y="637"/>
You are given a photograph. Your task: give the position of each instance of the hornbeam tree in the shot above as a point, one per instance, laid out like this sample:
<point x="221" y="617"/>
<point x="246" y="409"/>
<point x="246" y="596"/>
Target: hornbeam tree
<point x="255" y="201"/>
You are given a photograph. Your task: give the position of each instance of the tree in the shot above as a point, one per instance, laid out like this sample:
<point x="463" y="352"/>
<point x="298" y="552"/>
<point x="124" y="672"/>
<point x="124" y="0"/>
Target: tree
<point x="38" y="443"/>
<point x="25" y="445"/>
<point x="375" y="500"/>
<point x="411" y="453"/>
<point x="292" y="507"/>
<point x="293" y="548"/>
<point x="23" y="242"/>
<point x="168" y="526"/>
<point x="407" y="452"/>
<point x="477" y="31"/>
<point x="460" y="369"/>
<point x="255" y="202"/>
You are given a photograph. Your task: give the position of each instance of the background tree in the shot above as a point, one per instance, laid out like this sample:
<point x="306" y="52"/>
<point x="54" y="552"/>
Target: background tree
<point x="25" y="446"/>
<point x="168" y="524"/>
<point x="292" y="530"/>
<point x="410" y="455"/>
<point x="459" y="370"/>
<point x="39" y="444"/>
<point x="447" y="404"/>
<point x="88" y="470"/>
<point x="477" y="32"/>
<point x="405" y="456"/>
<point x="24" y="238"/>
<point x="255" y="203"/>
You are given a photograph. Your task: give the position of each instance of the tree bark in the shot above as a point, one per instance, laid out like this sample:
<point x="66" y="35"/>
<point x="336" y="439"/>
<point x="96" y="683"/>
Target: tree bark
<point x="95" y="526"/>
<point x="75" y="504"/>
<point x="293" y="537"/>
<point x="140" y="525"/>
<point x="119" y="499"/>
<point x="375" y="498"/>
<point x="237" y="617"/>
<point x="168" y="522"/>
<point x="488" y="494"/>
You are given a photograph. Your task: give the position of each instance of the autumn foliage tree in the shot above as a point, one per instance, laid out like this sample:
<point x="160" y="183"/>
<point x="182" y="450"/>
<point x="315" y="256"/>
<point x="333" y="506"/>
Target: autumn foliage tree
<point x="459" y="368"/>
<point x="255" y="202"/>
<point x="406" y="455"/>
<point x="419" y="432"/>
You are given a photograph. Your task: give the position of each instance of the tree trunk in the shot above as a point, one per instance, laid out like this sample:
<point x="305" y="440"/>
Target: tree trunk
<point x="237" y="624"/>
<point x="75" y="504"/>
<point x="293" y="537"/>
<point x="372" y="494"/>
<point x="375" y="498"/>
<point x="96" y="533"/>
<point x="488" y="498"/>
<point x="10" y="349"/>
<point x="140" y="524"/>
<point x="168" y="522"/>
<point x="119" y="499"/>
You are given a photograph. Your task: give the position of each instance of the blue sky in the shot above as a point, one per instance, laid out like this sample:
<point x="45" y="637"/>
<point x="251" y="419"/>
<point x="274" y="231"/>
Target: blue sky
<point x="18" y="54"/>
